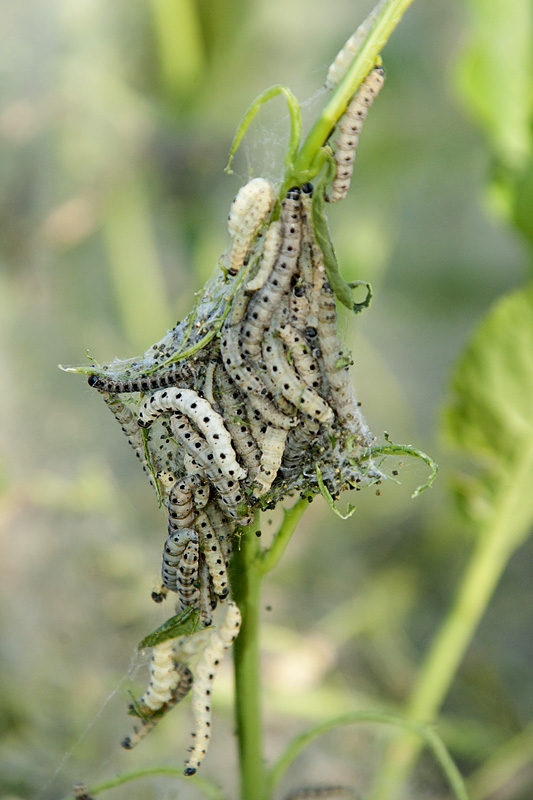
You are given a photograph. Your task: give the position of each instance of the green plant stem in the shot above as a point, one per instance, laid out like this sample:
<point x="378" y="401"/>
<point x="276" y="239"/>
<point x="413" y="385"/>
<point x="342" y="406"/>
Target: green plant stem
<point x="291" y="517"/>
<point x="489" y="559"/>
<point x="386" y="20"/>
<point x="248" y="567"/>
<point x="246" y="590"/>
<point x="210" y="789"/>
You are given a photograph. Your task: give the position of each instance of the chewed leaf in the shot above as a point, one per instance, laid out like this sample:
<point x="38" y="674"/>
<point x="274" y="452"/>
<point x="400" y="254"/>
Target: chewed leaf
<point x="181" y="625"/>
<point x="326" y="494"/>
<point x="490" y="414"/>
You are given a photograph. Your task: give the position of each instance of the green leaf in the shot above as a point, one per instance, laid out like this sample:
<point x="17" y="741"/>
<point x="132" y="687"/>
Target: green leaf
<point x="496" y="77"/>
<point x="490" y="414"/>
<point x="181" y="625"/>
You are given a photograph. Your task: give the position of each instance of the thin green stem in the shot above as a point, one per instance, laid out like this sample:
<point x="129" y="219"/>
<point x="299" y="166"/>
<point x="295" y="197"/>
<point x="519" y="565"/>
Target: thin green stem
<point x="246" y="590"/>
<point x="291" y="517"/>
<point x="426" y="734"/>
<point x="210" y="789"/>
<point x="494" y="548"/>
<point x="386" y="20"/>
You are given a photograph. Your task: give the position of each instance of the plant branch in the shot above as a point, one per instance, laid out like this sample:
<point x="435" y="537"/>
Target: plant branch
<point x="210" y="789"/>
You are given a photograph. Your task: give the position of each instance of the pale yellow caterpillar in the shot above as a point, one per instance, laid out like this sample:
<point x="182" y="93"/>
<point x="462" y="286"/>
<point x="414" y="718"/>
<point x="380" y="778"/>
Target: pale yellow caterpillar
<point x="205" y="672"/>
<point x="249" y="209"/>
<point x="273" y="447"/>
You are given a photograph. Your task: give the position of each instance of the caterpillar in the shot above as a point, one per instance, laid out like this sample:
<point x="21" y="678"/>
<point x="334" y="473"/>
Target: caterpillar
<point x="219" y="641"/>
<point x="213" y="555"/>
<point x="267" y="298"/>
<point x="209" y="422"/>
<point x="341" y="394"/>
<point x="176" y="373"/>
<point x="250" y="207"/>
<point x="173" y="551"/>
<point x="228" y="489"/>
<point x="299" y="445"/>
<point x="350" y="128"/>
<point x="163" y="678"/>
<point x="128" y="423"/>
<point x="300" y="353"/>
<point x="181" y="510"/>
<point x="273" y="447"/>
<point x="222" y="529"/>
<point x="298" y="306"/>
<point x="268" y="257"/>
<point x="205" y="604"/>
<point x="184" y="682"/>
<point x="342" y="60"/>
<point x="249" y="383"/>
<point x="187" y="576"/>
<point x="231" y="403"/>
<point x="290" y="385"/>
<point x="322" y="793"/>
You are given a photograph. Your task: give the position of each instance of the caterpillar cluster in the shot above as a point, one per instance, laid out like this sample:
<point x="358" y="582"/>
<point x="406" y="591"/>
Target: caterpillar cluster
<point x="242" y="422"/>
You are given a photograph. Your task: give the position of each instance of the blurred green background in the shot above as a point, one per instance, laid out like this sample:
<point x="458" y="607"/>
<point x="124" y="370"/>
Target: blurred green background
<point x="115" y="123"/>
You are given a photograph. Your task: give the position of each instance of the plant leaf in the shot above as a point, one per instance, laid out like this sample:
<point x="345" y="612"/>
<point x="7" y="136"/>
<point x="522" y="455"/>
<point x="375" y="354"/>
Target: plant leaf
<point x="495" y="75"/>
<point x="490" y="414"/>
<point x="184" y="624"/>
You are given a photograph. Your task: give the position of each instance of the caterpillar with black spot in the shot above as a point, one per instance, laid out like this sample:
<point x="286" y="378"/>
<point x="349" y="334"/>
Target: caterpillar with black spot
<point x="209" y="422"/>
<point x="342" y="60"/>
<point x="228" y="489"/>
<point x="231" y="402"/>
<point x="249" y="383"/>
<point x="128" y="423"/>
<point x="213" y="555"/>
<point x="350" y="127"/>
<point x="299" y="351"/>
<point x="267" y="299"/>
<point x="207" y="601"/>
<point x="176" y="373"/>
<point x="250" y="208"/>
<point x="299" y="445"/>
<point x="299" y="306"/>
<point x="176" y="543"/>
<point x="222" y="528"/>
<point x="341" y="392"/>
<point x="290" y="385"/>
<point x="204" y="676"/>
<point x="187" y="577"/>
<point x="181" y="508"/>
<point x="273" y="447"/>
